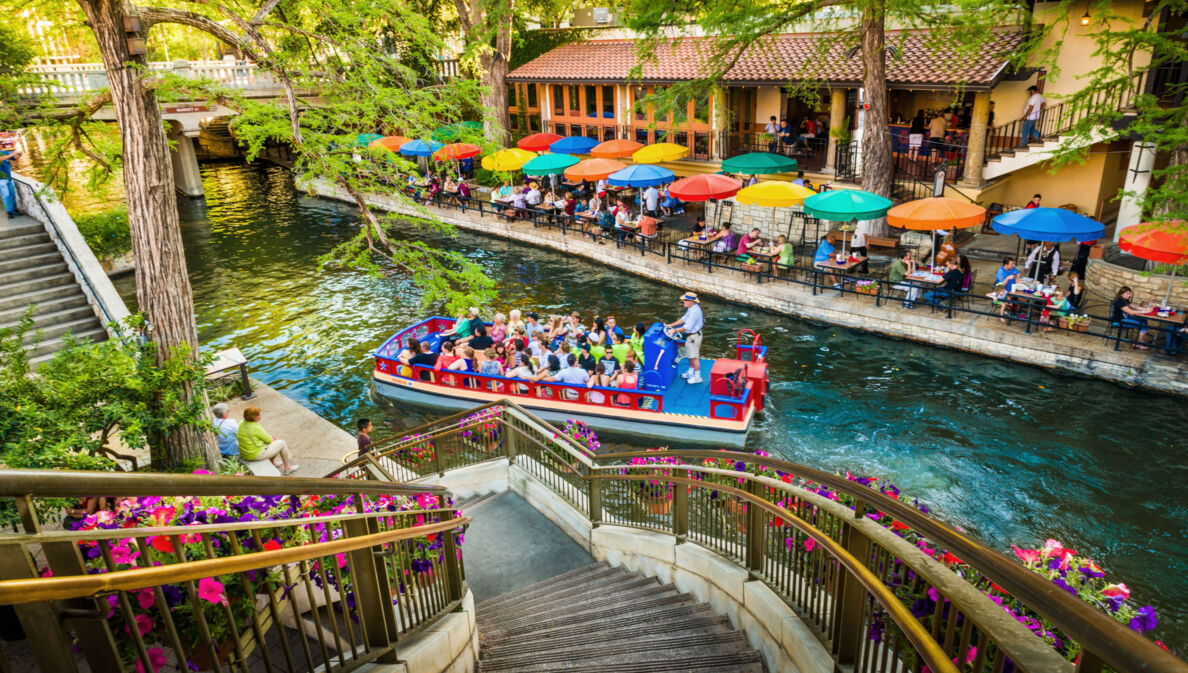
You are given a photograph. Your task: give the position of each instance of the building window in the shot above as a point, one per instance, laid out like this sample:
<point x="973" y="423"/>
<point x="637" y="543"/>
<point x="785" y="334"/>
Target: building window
<point x="513" y="96"/>
<point x="608" y="102"/>
<point x="574" y="101"/>
<point x="559" y="100"/>
<point x="661" y="135"/>
<point x="575" y="130"/>
<point x="608" y="133"/>
<point x="534" y="124"/>
<point x="680" y="138"/>
<point x="592" y="132"/>
<point x="641" y="136"/>
<point x="701" y="144"/>
<point x="532" y="102"/>
<point x="559" y="129"/>
<point x="591" y="101"/>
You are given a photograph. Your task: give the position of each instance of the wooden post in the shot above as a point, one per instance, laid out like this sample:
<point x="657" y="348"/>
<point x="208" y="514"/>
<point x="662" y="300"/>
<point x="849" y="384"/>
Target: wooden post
<point x="756" y="533"/>
<point x="680" y="508"/>
<point x="452" y="561"/>
<point x="837" y="119"/>
<point x="975" y="151"/>
<point x="851" y="599"/>
<point x="379" y="619"/>
<point x="595" y="497"/>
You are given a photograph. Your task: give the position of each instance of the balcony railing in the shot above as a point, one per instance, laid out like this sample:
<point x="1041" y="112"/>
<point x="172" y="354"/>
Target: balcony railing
<point x="806" y="535"/>
<point x="202" y="571"/>
<point x="809" y="153"/>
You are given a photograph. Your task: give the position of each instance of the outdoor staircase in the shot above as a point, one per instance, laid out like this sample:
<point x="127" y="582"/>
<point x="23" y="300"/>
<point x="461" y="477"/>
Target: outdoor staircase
<point x="33" y="272"/>
<point x="600" y="618"/>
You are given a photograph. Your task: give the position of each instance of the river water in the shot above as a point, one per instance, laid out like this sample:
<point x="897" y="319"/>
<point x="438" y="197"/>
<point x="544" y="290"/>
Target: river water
<point x="1012" y="453"/>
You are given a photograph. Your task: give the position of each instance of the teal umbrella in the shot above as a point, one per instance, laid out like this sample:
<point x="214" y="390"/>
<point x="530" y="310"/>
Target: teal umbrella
<point x="365" y="139"/>
<point x="549" y="164"/>
<point x="759" y="163"/>
<point x="843" y="205"/>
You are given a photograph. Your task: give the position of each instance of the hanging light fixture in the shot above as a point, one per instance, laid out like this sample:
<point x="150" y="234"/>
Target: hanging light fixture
<point x="1085" y="17"/>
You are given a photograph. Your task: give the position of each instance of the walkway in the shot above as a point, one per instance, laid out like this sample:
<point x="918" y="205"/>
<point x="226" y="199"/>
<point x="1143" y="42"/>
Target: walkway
<point x="317" y="444"/>
<point x="1061" y="351"/>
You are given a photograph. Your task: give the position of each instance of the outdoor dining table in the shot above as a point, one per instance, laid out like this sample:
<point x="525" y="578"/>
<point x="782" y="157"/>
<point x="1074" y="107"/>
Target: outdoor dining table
<point x="1173" y="321"/>
<point x="832" y="265"/>
<point x="765" y="255"/>
<point x="1032" y="300"/>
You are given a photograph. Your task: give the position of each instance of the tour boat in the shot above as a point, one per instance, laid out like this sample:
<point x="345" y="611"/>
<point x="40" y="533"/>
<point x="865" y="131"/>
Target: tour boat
<point x="665" y="407"/>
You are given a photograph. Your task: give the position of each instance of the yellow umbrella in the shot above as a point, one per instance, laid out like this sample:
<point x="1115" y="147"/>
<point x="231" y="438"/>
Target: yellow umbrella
<point x="773" y="194"/>
<point x="654" y="154"/>
<point x="507" y="160"/>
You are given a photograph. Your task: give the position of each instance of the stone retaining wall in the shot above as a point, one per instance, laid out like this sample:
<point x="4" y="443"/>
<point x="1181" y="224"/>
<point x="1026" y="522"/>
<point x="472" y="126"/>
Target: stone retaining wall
<point x="1063" y="352"/>
<point x="1107" y="278"/>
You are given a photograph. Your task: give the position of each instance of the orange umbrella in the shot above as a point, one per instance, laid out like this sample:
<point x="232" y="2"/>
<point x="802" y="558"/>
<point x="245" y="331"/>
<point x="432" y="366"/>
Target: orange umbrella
<point x="593" y="169"/>
<point x="616" y="149"/>
<point x="1164" y="242"/>
<point x="392" y="143"/>
<point x="936" y="213"/>
<point x="457" y="151"/>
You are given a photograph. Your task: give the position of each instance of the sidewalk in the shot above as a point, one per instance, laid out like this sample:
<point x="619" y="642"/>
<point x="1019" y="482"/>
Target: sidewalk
<point x="317" y="444"/>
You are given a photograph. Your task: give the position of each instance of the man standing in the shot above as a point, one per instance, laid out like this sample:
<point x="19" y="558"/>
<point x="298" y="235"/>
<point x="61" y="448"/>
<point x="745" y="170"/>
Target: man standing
<point x="651" y="198"/>
<point x="1031" y="115"/>
<point x="365" y="443"/>
<point x="691" y="324"/>
<point x="936" y="135"/>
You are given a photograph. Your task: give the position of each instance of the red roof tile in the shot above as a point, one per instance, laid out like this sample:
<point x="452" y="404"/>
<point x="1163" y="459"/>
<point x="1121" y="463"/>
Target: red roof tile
<point x="783" y="59"/>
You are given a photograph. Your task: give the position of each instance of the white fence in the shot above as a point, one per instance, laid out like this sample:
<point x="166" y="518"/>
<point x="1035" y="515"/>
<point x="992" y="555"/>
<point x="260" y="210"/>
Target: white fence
<point x="80" y="78"/>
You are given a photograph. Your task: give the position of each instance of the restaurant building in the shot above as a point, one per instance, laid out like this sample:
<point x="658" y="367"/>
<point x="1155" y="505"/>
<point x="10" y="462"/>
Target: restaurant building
<point x="586" y="88"/>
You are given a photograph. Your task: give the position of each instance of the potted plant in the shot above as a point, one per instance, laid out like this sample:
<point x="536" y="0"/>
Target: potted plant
<point x="655" y="493"/>
<point x="867" y="287"/>
<point x="483" y="428"/>
<point x="416" y="454"/>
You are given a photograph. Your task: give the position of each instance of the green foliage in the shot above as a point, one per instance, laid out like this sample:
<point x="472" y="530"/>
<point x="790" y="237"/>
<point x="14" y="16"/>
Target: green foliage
<point x="106" y="232"/>
<point x="528" y="44"/>
<point x="16" y="49"/>
<point x="488" y="178"/>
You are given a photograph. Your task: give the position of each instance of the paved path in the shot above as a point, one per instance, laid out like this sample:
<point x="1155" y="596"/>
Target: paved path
<point x="316" y="443"/>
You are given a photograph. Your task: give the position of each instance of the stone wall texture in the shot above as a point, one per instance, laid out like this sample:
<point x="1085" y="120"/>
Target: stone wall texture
<point x="1107" y="278"/>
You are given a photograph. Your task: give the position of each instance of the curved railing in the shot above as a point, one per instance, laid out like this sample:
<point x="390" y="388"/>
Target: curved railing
<point x="210" y="569"/>
<point x="879" y="602"/>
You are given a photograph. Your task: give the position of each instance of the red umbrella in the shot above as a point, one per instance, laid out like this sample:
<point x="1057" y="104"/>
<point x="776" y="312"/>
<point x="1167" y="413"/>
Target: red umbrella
<point x="455" y="151"/>
<point x="704" y="187"/>
<point x="538" y="142"/>
<point x="1164" y="242"/>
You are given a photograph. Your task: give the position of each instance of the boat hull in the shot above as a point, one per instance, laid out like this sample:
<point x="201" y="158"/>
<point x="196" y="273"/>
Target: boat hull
<point x="660" y="427"/>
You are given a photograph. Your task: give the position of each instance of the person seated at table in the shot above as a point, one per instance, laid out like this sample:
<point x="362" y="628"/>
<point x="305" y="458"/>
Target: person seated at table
<point x="826" y="254"/>
<point x="503" y="193"/>
<point x="519" y="203"/>
<point x="498" y="331"/>
<point x="748" y="242"/>
<point x="799" y="179"/>
<point x="1123" y="314"/>
<point x="699" y="225"/>
<point x="951" y="284"/>
<point x="533" y="197"/>
<point x="967" y="277"/>
<point x="569" y="204"/>
<point x="1057" y="305"/>
<point x="463" y="196"/>
<point x="646" y="226"/>
<point x="945" y="252"/>
<point x="727" y="240"/>
<point x="622" y="217"/>
<point x="783" y="253"/>
<point x="449" y="189"/>
<point x="1076" y="289"/>
<point x="901" y="268"/>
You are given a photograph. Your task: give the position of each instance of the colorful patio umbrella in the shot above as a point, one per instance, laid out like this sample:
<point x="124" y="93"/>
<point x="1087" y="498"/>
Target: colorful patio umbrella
<point x="844" y="205"/>
<point x="705" y="187"/>
<point x="455" y="131"/>
<point x="457" y="151"/>
<point x="538" y="142"/>
<point x="573" y="145"/>
<point x="507" y="160"/>
<point x="593" y="169"/>
<point x="641" y="175"/>
<point x="936" y="213"/>
<point x="365" y="139"/>
<point x="660" y="152"/>
<point x="774" y="194"/>
<point x="615" y="149"/>
<point x="759" y="163"/>
<point x="549" y="164"/>
<point x="1163" y="242"/>
<point x="420" y="148"/>
<point x="391" y="143"/>
<point x="1054" y="225"/>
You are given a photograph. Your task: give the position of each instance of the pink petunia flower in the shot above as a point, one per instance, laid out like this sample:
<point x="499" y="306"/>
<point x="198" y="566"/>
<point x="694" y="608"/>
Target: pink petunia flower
<point x="123" y="555"/>
<point x="145" y="599"/>
<point x="211" y="590"/>
<point x="1027" y="556"/>
<point x="163" y="516"/>
<point x="810" y="544"/>
<point x="144" y="624"/>
<point x="1052" y="548"/>
<point x="1116" y="590"/>
<point x="156" y="658"/>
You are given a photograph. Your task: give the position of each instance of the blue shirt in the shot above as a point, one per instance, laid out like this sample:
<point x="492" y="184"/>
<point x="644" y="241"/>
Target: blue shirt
<point x="227" y="431"/>
<point x="824" y="252"/>
<point x="693" y="321"/>
<point x="1003" y="274"/>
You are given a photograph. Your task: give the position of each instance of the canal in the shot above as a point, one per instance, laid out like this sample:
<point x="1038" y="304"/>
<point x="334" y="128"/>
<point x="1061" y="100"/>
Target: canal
<point x="1011" y="453"/>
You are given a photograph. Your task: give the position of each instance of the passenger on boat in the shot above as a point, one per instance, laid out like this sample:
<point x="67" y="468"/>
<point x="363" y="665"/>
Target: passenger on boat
<point x="498" y="329"/>
<point x="597" y="333"/>
<point x="537" y="345"/>
<point x="465" y="361"/>
<point x="481" y="340"/>
<point x="612" y="325"/>
<point x="637" y="340"/>
<point x="490" y="366"/>
<point x="410" y="349"/>
<point x="572" y="374"/>
<point x="626" y="379"/>
<point x="532" y="324"/>
<point x="519" y="339"/>
<point x="600" y="379"/>
<point x="574" y="328"/>
<point x="461" y="329"/>
<point x="426" y="358"/>
<point x="585" y="360"/>
<point x="620" y="349"/>
<point x="513" y="320"/>
<point x="556" y="328"/>
<point x="550" y="366"/>
<point x="523" y="368"/>
<point x="609" y="363"/>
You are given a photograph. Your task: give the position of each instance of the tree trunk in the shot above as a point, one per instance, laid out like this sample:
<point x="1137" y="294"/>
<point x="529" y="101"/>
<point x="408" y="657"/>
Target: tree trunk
<point x="495" y="68"/>
<point x="162" y="283"/>
<point x="876" y="136"/>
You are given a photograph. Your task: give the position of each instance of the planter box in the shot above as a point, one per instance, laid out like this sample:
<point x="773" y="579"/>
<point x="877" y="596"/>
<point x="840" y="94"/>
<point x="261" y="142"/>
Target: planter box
<point x="872" y="290"/>
<point x="752" y="268"/>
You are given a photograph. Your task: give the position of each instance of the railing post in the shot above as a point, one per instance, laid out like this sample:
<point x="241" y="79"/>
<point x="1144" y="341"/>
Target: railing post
<point x="756" y="533"/>
<point x="373" y="598"/>
<point x="680" y="507"/>
<point x="1089" y="662"/>
<point x="452" y="561"/>
<point x="595" y="498"/>
<point x="437" y="459"/>
<point x="851" y="600"/>
<point x="511" y="442"/>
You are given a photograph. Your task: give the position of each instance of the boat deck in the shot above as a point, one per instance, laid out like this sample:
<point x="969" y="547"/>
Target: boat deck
<point x="682" y="398"/>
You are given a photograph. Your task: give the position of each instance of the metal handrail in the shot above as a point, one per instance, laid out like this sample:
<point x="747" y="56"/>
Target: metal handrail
<point x="74" y="263"/>
<point x="40" y="589"/>
<point x="73" y="484"/>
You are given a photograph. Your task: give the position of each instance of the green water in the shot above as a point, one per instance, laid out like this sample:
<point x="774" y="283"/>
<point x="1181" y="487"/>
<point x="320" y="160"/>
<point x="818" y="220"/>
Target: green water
<point x="1011" y="453"/>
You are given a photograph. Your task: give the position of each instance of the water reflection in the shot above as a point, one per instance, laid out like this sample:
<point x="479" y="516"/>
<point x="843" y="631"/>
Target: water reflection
<point x="1013" y="453"/>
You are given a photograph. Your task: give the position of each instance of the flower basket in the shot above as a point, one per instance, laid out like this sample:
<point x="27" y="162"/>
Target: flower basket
<point x="1077" y="323"/>
<point x="752" y="268"/>
<point x="660" y="506"/>
<point x="866" y="287"/>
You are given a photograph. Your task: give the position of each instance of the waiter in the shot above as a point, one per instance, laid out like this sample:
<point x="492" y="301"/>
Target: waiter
<point x="691" y="324"/>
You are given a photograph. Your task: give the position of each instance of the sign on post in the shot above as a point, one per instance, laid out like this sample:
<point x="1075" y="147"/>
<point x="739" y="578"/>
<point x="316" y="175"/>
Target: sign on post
<point x="938" y="183"/>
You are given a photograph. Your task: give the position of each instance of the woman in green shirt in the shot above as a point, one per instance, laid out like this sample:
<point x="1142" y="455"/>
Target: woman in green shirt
<point x="256" y="444"/>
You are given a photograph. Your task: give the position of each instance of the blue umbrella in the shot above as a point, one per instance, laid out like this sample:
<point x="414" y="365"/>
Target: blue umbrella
<point x="420" y="148"/>
<point x="574" y="145"/>
<point x="641" y="175"/>
<point x="1053" y="225"/>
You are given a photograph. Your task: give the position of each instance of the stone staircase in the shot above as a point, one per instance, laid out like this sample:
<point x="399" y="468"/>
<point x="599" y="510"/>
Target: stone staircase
<point x="32" y="271"/>
<point x="600" y="618"/>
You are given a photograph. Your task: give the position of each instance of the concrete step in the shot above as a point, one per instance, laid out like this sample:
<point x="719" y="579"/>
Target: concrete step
<point x="720" y="640"/>
<point x="47" y="258"/>
<point x="592" y="611"/>
<point x="47" y="321"/>
<point x="661" y="662"/>
<point x="45" y="247"/>
<point x="53" y="305"/>
<point x="473" y="502"/>
<point x="671" y="617"/>
<point x="21" y="275"/>
<point x="544" y="585"/>
<point x="43" y="283"/>
<point x="50" y="347"/>
<point x="34" y="227"/>
<point x="52" y="331"/>
<point x="570" y="592"/>
<point x="669" y="623"/>
<point x="10" y="300"/>
<point x="10" y="242"/>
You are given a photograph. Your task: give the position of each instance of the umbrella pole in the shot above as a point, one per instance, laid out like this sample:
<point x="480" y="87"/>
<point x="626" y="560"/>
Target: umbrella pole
<point x="1167" y="295"/>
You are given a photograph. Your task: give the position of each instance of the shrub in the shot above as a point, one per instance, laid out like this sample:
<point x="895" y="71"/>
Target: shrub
<point x="107" y="233"/>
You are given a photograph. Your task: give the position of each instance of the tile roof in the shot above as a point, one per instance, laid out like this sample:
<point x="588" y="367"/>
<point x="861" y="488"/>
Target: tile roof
<point x="781" y="59"/>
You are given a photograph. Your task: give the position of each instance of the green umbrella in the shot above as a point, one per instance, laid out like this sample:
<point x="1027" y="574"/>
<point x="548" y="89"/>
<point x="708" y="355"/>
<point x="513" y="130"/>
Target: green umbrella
<point x="364" y="139"/>
<point x="843" y="205"/>
<point x="455" y="131"/>
<point x="759" y="163"/>
<point x="549" y="164"/>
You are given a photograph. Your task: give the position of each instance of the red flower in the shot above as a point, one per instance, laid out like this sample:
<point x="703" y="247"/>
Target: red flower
<point x="999" y="589"/>
<point x="161" y="543"/>
<point x="950" y="559"/>
<point x="777" y="522"/>
<point x="271" y="545"/>
<point x="431" y="537"/>
<point x="898" y="525"/>
<point x="787" y="479"/>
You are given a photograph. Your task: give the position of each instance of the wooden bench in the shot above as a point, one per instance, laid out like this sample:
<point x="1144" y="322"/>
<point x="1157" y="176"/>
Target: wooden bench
<point x="836" y="237"/>
<point x="226" y="366"/>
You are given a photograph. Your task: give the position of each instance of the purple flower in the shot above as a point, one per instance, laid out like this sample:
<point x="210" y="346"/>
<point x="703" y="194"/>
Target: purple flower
<point x="1114" y="603"/>
<point x="1145" y="619"/>
<point x="740" y="466"/>
<point x="1059" y="581"/>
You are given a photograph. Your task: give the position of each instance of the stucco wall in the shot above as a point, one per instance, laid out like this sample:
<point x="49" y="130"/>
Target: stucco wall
<point x="1091" y="186"/>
